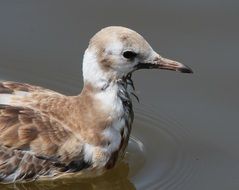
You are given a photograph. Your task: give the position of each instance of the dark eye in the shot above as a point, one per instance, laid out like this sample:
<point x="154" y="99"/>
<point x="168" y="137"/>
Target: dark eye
<point x="129" y="54"/>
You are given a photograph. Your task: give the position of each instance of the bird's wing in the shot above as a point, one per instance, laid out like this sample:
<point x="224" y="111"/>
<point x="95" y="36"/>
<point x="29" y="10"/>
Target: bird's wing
<point x="32" y="144"/>
<point x="9" y="87"/>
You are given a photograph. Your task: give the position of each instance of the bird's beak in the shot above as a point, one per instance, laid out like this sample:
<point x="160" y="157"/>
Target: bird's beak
<point x="164" y="63"/>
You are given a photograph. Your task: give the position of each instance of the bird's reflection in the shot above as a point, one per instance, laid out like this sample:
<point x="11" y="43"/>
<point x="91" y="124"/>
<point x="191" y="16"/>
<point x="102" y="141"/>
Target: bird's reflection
<point x="116" y="178"/>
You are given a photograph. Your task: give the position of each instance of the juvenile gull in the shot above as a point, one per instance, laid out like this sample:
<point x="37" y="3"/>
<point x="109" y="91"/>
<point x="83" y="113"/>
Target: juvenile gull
<point x="44" y="133"/>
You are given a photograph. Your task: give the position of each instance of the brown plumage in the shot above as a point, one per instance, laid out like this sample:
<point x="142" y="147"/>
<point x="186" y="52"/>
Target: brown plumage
<point x="42" y="133"/>
<point x="45" y="133"/>
<point x="33" y="141"/>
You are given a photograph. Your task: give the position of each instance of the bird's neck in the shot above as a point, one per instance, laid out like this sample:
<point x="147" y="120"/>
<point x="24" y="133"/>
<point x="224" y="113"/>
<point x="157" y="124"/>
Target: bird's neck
<point x="110" y="99"/>
<point x="95" y="75"/>
<point x="103" y="86"/>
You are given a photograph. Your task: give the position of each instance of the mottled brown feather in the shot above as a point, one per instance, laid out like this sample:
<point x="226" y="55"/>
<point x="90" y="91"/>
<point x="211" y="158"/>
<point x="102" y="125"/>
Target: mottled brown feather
<point x="21" y="126"/>
<point x="33" y="134"/>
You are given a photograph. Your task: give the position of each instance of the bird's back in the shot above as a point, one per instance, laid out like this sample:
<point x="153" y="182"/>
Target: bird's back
<point x="34" y="142"/>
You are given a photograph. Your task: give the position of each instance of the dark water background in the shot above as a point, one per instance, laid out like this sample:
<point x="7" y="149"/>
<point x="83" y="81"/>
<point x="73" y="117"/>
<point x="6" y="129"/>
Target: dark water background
<point x="186" y="128"/>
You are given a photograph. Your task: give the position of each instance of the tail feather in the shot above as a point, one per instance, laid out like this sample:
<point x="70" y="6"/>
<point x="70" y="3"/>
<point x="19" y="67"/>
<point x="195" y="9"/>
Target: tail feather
<point x="18" y="165"/>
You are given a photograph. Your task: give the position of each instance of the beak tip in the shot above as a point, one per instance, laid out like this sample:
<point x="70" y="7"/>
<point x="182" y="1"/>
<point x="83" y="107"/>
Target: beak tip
<point x="185" y="69"/>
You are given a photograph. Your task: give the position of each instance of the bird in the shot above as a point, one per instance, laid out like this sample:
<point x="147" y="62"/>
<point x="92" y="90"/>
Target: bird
<point x="44" y="133"/>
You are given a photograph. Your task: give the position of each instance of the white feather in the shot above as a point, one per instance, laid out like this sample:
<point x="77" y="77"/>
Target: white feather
<point x="5" y="99"/>
<point x="114" y="47"/>
<point x="21" y="93"/>
<point x="114" y="138"/>
<point x="91" y="70"/>
<point x="88" y="152"/>
<point x="110" y="101"/>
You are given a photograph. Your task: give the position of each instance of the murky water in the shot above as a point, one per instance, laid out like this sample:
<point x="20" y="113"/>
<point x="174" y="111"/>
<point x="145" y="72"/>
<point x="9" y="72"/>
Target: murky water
<point x="185" y="134"/>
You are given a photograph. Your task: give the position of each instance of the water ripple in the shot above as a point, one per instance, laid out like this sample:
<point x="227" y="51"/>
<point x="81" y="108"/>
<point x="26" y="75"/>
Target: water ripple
<point x="169" y="161"/>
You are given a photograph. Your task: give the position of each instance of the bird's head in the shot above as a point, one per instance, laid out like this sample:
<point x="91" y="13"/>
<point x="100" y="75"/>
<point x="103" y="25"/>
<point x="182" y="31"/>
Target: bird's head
<point x="114" y="52"/>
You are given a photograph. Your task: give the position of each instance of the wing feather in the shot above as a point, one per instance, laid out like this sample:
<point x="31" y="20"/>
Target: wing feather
<point x="9" y="87"/>
<point x="33" y="143"/>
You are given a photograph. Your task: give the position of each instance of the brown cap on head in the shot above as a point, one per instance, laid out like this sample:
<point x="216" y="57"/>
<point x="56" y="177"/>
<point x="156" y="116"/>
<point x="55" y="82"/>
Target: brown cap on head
<point x="123" y="51"/>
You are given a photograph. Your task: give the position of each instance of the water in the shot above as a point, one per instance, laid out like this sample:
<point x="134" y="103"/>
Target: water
<point x="185" y="134"/>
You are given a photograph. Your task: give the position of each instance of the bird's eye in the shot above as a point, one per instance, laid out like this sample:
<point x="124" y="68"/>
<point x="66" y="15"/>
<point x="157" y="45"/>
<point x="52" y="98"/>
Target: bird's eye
<point x="129" y="54"/>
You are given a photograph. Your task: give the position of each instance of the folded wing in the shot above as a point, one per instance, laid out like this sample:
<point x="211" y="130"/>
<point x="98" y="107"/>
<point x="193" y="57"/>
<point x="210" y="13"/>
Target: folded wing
<point x="33" y="144"/>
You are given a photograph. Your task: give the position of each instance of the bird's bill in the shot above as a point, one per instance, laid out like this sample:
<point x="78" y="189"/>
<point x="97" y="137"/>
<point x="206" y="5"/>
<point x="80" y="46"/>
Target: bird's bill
<point x="164" y="63"/>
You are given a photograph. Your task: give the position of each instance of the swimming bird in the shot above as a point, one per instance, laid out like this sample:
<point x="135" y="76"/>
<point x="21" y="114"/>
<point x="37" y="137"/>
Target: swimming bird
<point x="45" y="133"/>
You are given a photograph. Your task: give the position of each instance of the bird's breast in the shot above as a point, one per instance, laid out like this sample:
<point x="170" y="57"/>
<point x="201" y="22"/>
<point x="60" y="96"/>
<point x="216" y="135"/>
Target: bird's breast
<point x="115" y="107"/>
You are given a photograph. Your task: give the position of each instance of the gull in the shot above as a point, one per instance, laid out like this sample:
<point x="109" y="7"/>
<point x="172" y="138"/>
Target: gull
<point x="44" y="133"/>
